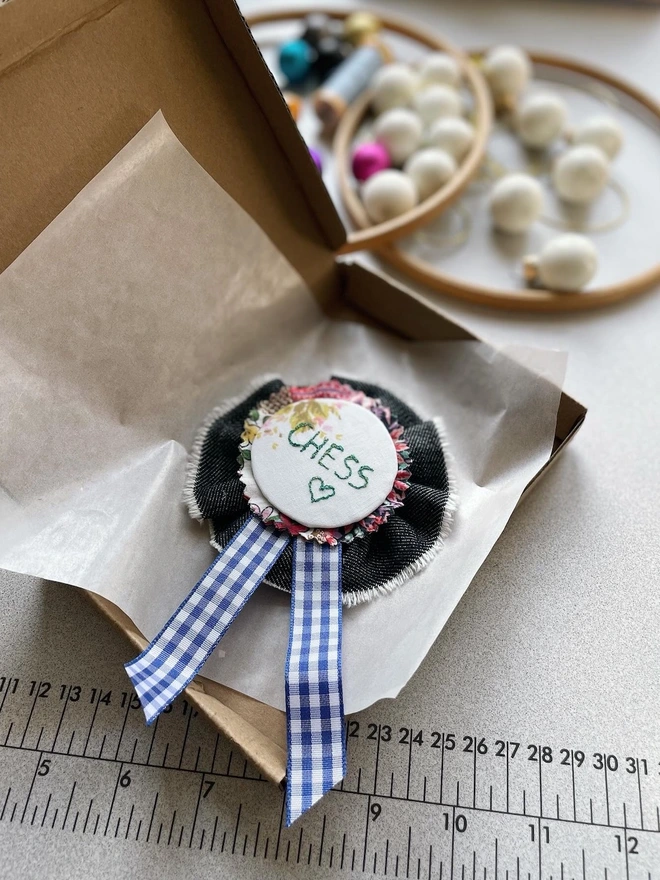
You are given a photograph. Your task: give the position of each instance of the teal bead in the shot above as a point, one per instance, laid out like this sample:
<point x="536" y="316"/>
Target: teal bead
<point x="296" y="58"/>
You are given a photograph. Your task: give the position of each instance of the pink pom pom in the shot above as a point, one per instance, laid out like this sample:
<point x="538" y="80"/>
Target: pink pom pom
<point x="368" y="159"/>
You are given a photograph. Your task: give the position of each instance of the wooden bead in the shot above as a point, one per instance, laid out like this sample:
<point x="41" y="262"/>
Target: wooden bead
<point x="316" y="26"/>
<point x="507" y="70"/>
<point x="581" y="174"/>
<point x="600" y="131"/>
<point x="437" y="102"/>
<point x="540" y="119"/>
<point x="294" y="103"/>
<point x="394" y="85"/>
<point x="388" y="194"/>
<point x="317" y="159"/>
<point x="567" y="263"/>
<point x="515" y="202"/>
<point x="359" y="26"/>
<point x="296" y="60"/>
<point x="452" y="134"/>
<point x="430" y="169"/>
<point x="400" y="131"/>
<point x="330" y="53"/>
<point x="439" y="68"/>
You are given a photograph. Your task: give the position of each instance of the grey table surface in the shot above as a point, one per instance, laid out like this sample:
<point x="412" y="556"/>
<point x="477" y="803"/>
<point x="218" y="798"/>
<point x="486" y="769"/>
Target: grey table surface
<point x="558" y="634"/>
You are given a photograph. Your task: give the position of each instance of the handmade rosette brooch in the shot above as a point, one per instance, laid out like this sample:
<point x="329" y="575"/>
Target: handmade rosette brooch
<point x="334" y="492"/>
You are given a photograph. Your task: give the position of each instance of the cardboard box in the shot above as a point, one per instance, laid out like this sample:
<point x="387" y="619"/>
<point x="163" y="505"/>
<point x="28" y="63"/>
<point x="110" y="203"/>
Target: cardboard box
<point x="78" y="78"/>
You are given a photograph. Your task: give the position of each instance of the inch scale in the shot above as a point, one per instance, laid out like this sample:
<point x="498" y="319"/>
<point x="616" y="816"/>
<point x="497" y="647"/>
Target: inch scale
<point x="420" y="804"/>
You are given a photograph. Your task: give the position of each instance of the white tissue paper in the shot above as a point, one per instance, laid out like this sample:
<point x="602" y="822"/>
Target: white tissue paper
<point x="149" y="300"/>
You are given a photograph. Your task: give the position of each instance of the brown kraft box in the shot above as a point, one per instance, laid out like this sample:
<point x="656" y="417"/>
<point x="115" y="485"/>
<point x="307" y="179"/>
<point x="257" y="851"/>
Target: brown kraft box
<point x="78" y="79"/>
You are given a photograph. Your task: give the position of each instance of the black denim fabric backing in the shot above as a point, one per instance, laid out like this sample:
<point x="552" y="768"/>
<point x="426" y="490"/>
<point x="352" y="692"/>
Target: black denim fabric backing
<point x="411" y="532"/>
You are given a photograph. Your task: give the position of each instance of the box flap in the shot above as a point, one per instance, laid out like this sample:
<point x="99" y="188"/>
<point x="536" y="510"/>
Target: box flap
<point x="78" y="78"/>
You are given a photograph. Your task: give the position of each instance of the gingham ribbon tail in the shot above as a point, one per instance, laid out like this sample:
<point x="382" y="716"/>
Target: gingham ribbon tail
<point x="314" y="701"/>
<point x="180" y="649"/>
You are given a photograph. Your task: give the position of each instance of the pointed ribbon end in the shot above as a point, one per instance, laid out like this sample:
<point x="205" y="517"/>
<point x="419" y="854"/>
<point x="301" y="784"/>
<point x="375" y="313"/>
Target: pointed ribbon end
<point x="298" y="803"/>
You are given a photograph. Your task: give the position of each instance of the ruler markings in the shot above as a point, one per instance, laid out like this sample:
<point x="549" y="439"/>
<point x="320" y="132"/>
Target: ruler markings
<point x="112" y="802"/>
<point x="34" y="776"/>
<point x="625" y="841"/>
<point x="91" y="723"/>
<point x="59" y="724"/>
<point x="130" y="820"/>
<point x="43" y="818"/>
<point x="215" y="752"/>
<point x="185" y="736"/>
<point x="68" y="806"/>
<point x="322" y="836"/>
<point x="607" y="792"/>
<point x="153" y="738"/>
<point x="27" y="723"/>
<point x="123" y="727"/>
<point x="442" y="763"/>
<point x="199" y="798"/>
<point x="423" y="786"/>
<point x="355" y="792"/>
<point x="474" y="772"/>
<point x="169" y="836"/>
<point x="238" y="819"/>
<point x="453" y="831"/>
<point x="366" y="834"/>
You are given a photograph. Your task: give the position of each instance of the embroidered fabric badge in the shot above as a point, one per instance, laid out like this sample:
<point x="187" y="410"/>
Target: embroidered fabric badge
<point x="334" y="492"/>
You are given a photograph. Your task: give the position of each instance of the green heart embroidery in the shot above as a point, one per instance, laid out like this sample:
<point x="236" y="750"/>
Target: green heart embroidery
<point x="320" y="491"/>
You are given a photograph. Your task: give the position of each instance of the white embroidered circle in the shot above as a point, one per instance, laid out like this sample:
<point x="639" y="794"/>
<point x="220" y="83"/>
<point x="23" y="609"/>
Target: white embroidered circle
<point x="325" y="463"/>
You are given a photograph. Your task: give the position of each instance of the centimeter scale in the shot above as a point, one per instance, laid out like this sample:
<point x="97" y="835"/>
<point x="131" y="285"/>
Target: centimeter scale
<point x="432" y="804"/>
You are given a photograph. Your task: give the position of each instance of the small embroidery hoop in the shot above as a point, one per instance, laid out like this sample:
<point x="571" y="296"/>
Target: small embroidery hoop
<point x="372" y="237"/>
<point x="522" y="299"/>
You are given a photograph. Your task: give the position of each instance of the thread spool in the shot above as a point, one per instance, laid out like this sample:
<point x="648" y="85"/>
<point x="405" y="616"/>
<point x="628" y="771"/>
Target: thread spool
<point x="348" y="81"/>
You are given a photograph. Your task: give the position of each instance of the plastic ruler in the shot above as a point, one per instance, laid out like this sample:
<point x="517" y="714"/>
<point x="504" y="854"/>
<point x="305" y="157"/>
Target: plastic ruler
<point x="437" y="803"/>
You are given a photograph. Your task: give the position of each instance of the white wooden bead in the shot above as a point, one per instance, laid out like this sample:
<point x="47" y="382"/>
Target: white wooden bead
<point x="452" y="134"/>
<point x="567" y="263"/>
<point x="600" y="131"/>
<point x="437" y="102"/>
<point x="581" y="174"/>
<point x="540" y="119"/>
<point x="430" y="169"/>
<point x="400" y="132"/>
<point x="388" y="194"/>
<point x="441" y="68"/>
<point x="515" y="202"/>
<point x="394" y="85"/>
<point x="508" y="70"/>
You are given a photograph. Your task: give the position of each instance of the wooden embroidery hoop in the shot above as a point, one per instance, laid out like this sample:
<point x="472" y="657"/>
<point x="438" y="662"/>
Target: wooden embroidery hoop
<point x="528" y="299"/>
<point x="367" y="236"/>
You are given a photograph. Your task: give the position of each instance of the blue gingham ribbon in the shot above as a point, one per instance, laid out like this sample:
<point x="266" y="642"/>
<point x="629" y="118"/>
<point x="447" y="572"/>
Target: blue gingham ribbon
<point x="314" y="702"/>
<point x="181" y="648"/>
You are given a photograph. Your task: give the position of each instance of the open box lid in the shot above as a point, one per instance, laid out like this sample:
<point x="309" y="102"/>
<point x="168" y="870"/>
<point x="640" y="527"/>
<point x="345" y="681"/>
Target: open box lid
<point x="78" y="78"/>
